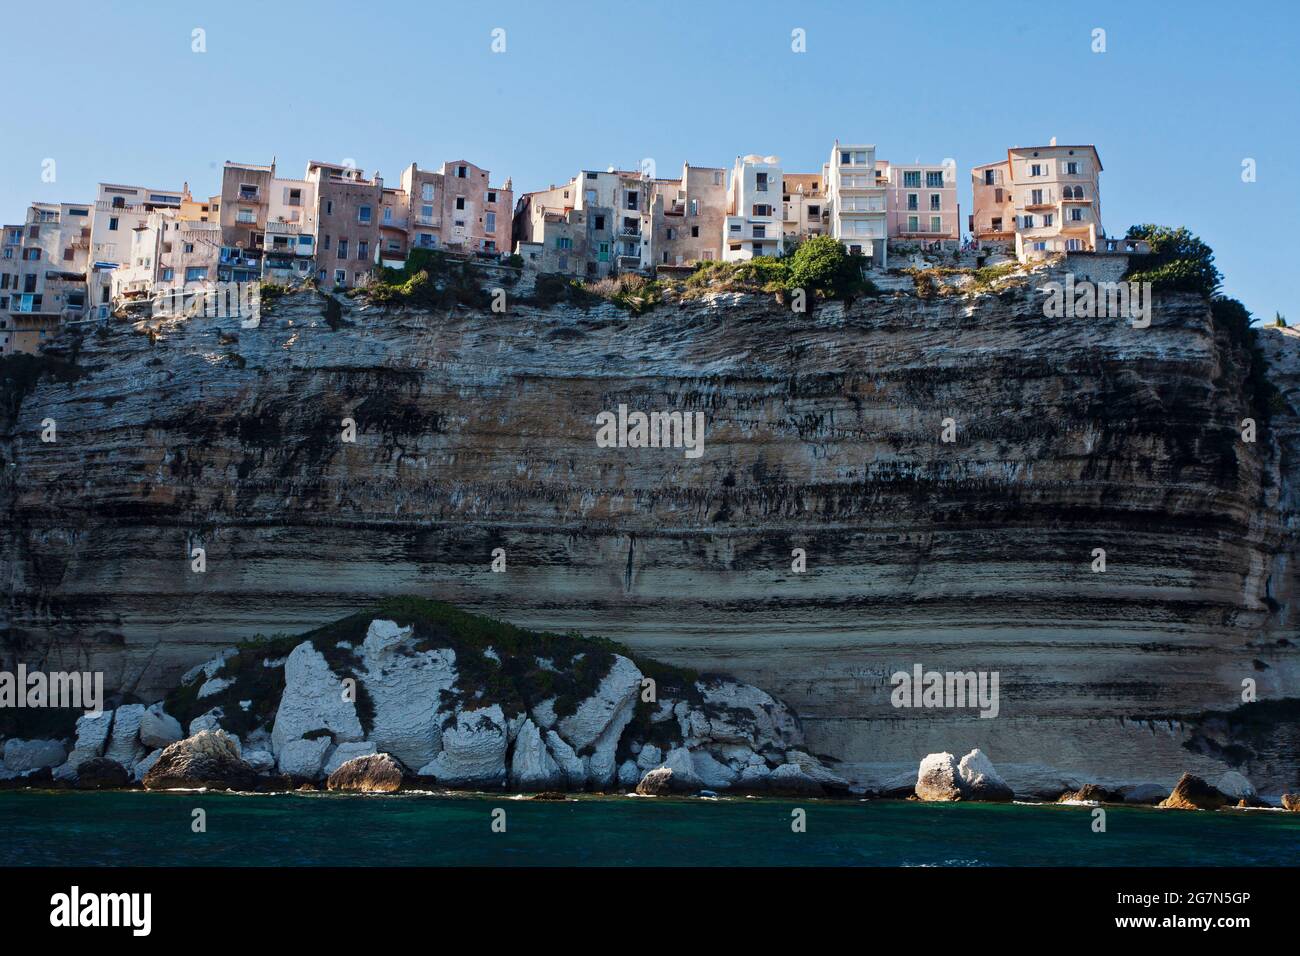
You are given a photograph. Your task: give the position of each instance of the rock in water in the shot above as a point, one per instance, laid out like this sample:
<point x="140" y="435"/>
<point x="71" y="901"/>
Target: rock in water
<point x="208" y="759"/>
<point x="343" y="753"/>
<point x="790" y="780"/>
<point x="1193" y="793"/>
<point x="937" y="779"/>
<point x="980" y="781"/>
<point x="532" y="767"/>
<point x="373" y="773"/>
<point x="1091" y="793"/>
<point x="656" y="782"/>
<point x="1291" y="801"/>
<point x="101" y="773"/>
<point x="1236" y="787"/>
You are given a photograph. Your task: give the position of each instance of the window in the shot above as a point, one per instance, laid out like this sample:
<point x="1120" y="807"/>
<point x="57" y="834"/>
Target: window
<point x="248" y="191"/>
<point x="563" y="242"/>
<point x="1048" y="218"/>
<point x="492" y="196"/>
<point x="1035" y="169"/>
<point x="936" y="224"/>
<point x="426" y="213"/>
<point x="997" y="224"/>
<point x="112" y="224"/>
<point x="461" y="172"/>
<point x="1076" y="214"/>
<point x="1072" y="168"/>
<point x="633" y="199"/>
<point x="990" y="177"/>
<point x="388" y="214"/>
<point x="1038" y="246"/>
<point x="695" y="207"/>
<point x="188" y="247"/>
<point x="760" y="232"/>
<point x="426" y="240"/>
<point x="734" y="227"/>
<point x="196" y="274"/>
<point x="363" y="249"/>
<point x="913" y="201"/>
<point x="329" y="207"/>
<point x="490" y="222"/>
<point x="1036" y="197"/>
<point x="814" y="210"/>
<point x="591" y="175"/>
<point x="695" y="232"/>
<point x="1027" y="222"/>
<point x="343" y="248"/>
<point x="245" y="215"/>
<point x="293" y="197"/>
<point x="934" y="179"/>
<point x="934" y="201"/>
<point x="325" y="241"/>
<point x="426" y="192"/>
<point x="460" y="202"/>
<point x="760" y="182"/>
<point x="671" y="234"/>
<point x="363" y="214"/>
<point x="762" y="209"/>
<point x="1074" y="245"/>
<point x="598" y="223"/>
<point x="912" y="179"/>
<point x="68" y="254"/>
<point x="31" y="255"/>
<point x="168" y="275"/>
<point x="913" y="224"/>
<point x="340" y="277"/>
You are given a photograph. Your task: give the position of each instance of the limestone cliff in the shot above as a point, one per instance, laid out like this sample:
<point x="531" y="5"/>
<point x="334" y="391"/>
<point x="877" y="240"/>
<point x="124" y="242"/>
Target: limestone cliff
<point x="475" y="431"/>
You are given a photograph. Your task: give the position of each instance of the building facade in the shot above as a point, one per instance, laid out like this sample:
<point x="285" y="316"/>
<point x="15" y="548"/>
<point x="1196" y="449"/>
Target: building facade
<point x="43" y="280"/>
<point x="687" y="217"/>
<point x="805" y="207"/>
<point x="753" y="223"/>
<point x="859" y="216"/>
<point x="1044" y="199"/>
<point x="920" y="201"/>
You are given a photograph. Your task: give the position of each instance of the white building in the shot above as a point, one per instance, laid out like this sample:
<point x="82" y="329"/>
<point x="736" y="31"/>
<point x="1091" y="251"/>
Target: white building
<point x="290" y="241"/>
<point x="752" y="226"/>
<point x="119" y="210"/>
<point x="859" y="215"/>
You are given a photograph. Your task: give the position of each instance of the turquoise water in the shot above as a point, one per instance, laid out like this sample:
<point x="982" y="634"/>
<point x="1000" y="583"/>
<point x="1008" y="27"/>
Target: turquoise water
<point x="67" y="828"/>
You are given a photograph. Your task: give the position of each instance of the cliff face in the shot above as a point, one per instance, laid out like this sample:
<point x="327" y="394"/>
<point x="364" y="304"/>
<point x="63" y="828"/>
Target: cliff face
<point x="476" y="431"/>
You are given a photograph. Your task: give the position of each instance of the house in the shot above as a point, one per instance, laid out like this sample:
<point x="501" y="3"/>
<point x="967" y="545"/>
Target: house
<point x="920" y="201"/>
<point x="804" y="205"/>
<point x="752" y="225"/>
<point x="455" y="208"/>
<point x="242" y="212"/>
<point x="119" y="210"/>
<point x="597" y="224"/>
<point x="289" y="241"/>
<point x="687" y="217"/>
<point x="858" y="205"/>
<point x="1044" y="199"/>
<point x="43" y="281"/>
<point x="348" y="218"/>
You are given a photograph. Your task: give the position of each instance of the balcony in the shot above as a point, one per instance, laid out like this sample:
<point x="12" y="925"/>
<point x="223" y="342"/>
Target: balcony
<point x="926" y="229"/>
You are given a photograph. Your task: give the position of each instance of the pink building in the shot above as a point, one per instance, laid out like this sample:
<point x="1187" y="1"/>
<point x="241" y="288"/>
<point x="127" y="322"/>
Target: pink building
<point x="921" y="200"/>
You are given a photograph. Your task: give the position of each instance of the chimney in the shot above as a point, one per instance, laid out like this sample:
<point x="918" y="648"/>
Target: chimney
<point x="1053" y="141"/>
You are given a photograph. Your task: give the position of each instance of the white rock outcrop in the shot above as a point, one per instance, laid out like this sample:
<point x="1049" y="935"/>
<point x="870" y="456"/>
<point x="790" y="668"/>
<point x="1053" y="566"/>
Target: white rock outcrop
<point x="937" y="779"/>
<point x="145" y="764"/>
<point x="209" y="720"/>
<point x="1236" y="787"/>
<point x="739" y="713"/>
<point x="406" y="687"/>
<point x="92" y="738"/>
<point x="979" y="780"/>
<point x="531" y="766"/>
<point x="473" y="751"/>
<point x="570" y="764"/>
<point x="23" y="755"/>
<point x="685" y="779"/>
<point x="815" y="769"/>
<point x="713" y="774"/>
<point x="313" y="699"/>
<point x="262" y="761"/>
<point x="124" y="741"/>
<point x="599" y="721"/>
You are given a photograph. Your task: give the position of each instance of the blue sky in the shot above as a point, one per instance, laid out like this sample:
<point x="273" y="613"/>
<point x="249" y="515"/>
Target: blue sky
<point x="1184" y="92"/>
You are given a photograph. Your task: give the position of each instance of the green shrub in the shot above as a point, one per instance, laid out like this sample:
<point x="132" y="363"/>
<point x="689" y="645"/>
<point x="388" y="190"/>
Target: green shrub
<point x="1179" y="261"/>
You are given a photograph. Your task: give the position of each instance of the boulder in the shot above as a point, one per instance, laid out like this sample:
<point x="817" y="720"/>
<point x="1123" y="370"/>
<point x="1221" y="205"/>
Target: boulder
<point x="1143" y="793"/>
<point x="406" y="687"/>
<point x="144" y="765"/>
<point x="1091" y="793"/>
<point x="262" y="761"/>
<point x="628" y="774"/>
<point x="313" y="699"/>
<point x="209" y="720"/>
<point x="208" y="759"/>
<point x="656" y="782"/>
<point x="345" y="752"/>
<point x="570" y="764"/>
<point x="712" y="773"/>
<point x="900" y="786"/>
<point x="101" y="773"/>
<point x="790" y="780"/>
<point x="814" y="768"/>
<point x="1291" y="801"/>
<point x="23" y="755"/>
<point x="1193" y="793"/>
<point x="532" y="768"/>
<point x="92" y="737"/>
<point x="1236" y="787"/>
<point x="938" y="778"/>
<point x="158" y="728"/>
<point x="304" y="757"/>
<point x="649" y="757"/>
<point x="372" y="773"/>
<point x="980" y="781"/>
<point x="124" y="742"/>
<point x="473" y="752"/>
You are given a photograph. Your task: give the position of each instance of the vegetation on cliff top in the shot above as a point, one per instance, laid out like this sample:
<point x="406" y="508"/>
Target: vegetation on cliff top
<point x="514" y="678"/>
